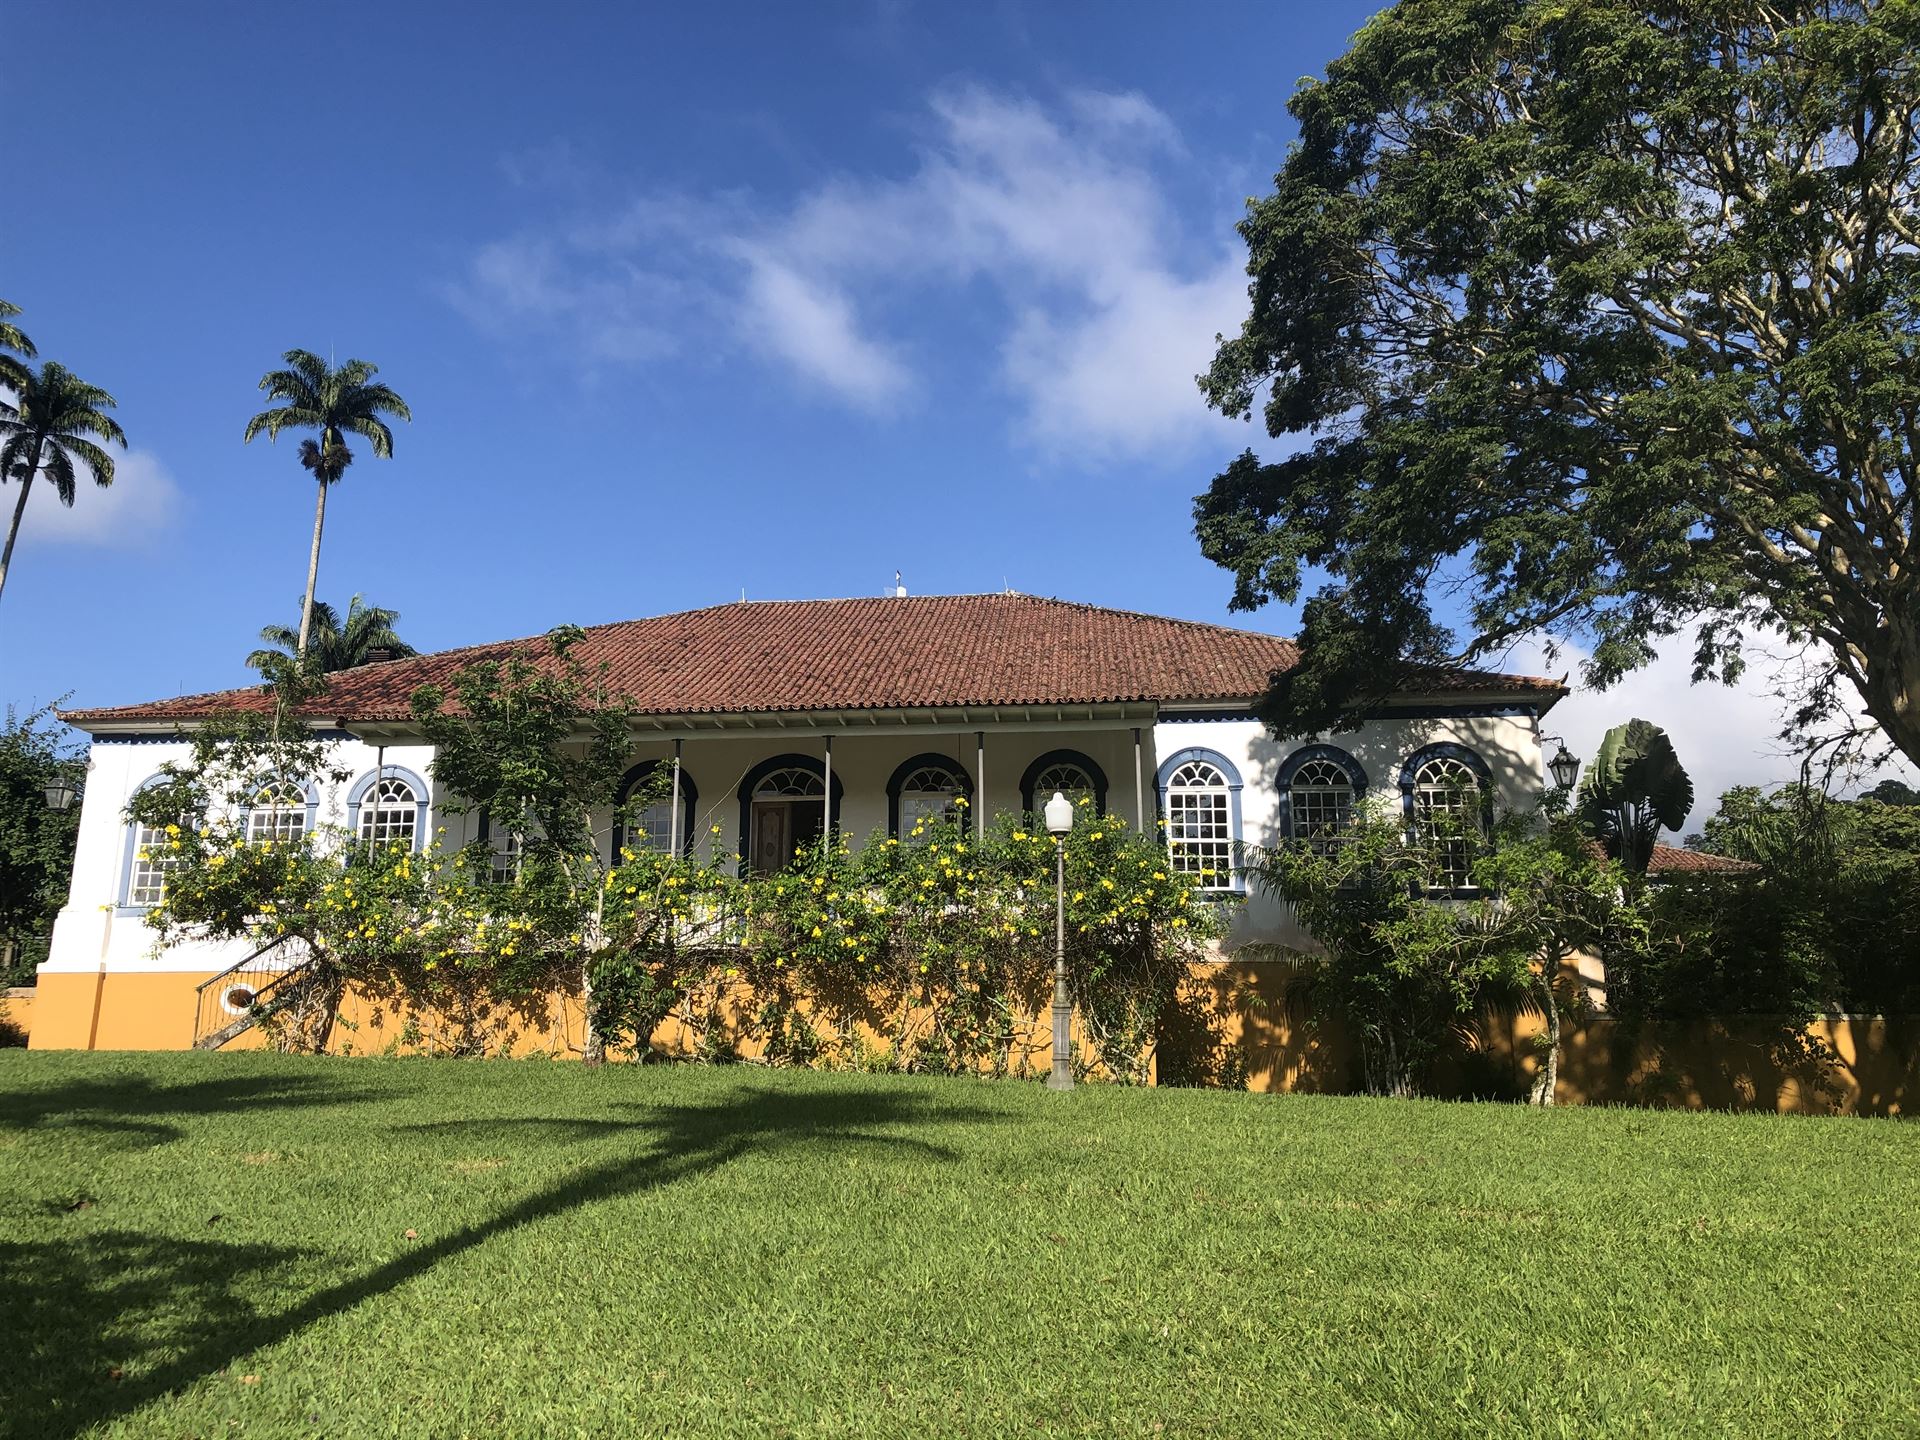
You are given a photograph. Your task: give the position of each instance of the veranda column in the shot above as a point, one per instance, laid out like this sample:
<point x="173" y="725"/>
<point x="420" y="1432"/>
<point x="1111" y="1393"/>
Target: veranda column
<point x="979" y="786"/>
<point x="673" y="825"/>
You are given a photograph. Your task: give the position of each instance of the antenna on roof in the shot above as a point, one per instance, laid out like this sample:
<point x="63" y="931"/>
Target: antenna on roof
<point x="899" y="590"/>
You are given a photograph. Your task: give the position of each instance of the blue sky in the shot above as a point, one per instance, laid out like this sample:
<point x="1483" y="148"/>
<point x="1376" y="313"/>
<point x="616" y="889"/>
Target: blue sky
<point x="687" y="301"/>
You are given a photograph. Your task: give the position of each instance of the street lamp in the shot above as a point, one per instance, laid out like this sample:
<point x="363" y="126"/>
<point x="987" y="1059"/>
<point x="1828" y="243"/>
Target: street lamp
<point x="1564" y="766"/>
<point x="60" y="794"/>
<point x="1059" y="815"/>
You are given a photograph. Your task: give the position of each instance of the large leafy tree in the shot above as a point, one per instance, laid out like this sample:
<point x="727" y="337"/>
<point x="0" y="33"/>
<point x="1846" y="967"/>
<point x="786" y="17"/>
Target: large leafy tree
<point x="334" y="644"/>
<point x="13" y="374"/>
<point x="1636" y="788"/>
<point x="36" y="841"/>
<point x="50" y="428"/>
<point x="1605" y="316"/>
<point x="336" y="402"/>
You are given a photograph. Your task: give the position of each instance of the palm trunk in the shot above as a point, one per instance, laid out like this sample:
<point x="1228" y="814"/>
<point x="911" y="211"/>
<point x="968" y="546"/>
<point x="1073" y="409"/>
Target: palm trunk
<point x="19" y="509"/>
<point x="313" y="569"/>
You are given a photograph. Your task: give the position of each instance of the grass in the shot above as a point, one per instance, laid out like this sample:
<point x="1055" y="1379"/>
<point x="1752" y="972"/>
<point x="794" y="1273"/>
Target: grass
<point x="222" y="1245"/>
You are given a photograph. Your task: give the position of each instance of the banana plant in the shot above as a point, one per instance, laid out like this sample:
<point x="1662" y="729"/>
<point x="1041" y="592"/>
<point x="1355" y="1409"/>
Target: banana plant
<point x="1636" y="788"/>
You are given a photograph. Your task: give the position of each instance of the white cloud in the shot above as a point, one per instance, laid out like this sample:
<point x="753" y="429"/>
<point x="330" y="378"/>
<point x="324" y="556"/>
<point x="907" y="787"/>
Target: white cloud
<point x="1725" y="735"/>
<point x="809" y="324"/>
<point x="1059" y="218"/>
<point x="138" y="506"/>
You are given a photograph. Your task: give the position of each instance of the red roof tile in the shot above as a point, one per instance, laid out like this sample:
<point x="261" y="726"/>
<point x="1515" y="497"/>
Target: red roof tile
<point x="1671" y="860"/>
<point x="907" y="652"/>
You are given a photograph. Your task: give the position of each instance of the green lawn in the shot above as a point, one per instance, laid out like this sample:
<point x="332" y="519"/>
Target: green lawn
<point x="222" y="1245"/>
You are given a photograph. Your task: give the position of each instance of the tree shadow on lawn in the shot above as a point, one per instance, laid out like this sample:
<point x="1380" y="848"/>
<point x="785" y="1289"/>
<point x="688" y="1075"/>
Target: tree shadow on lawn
<point x="168" y="1312"/>
<point x="135" y="1113"/>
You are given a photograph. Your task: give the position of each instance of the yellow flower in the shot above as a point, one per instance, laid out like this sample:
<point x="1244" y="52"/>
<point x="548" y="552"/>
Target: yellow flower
<point x="1079" y="894"/>
<point x="1098" y="835"/>
<point x="173" y="829"/>
<point x="816" y="932"/>
<point x="1019" y="834"/>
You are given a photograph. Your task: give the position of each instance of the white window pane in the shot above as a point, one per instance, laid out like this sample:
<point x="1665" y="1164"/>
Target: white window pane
<point x="389" y="814"/>
<point x="1200" y="839"/>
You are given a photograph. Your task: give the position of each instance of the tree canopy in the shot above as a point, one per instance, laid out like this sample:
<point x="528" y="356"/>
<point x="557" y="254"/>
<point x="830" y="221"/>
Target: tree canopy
<point x="337" y="402"/>
<point x="50" y="428"/>
<point x="334" y="644"/>
<point x="1604" y="315"/>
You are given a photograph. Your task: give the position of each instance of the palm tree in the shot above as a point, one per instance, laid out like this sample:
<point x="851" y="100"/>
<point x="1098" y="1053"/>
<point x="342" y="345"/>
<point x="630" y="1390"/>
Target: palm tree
<point x="1637" y="788"/>
<point x="13" y="374"/>
<point x="332" y="645"/>
<point x="337" y="403"/>
<point x="46" y="428"/>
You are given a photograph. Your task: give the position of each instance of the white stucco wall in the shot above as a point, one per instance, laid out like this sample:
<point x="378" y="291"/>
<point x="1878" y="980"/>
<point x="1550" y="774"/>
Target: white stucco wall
<point x="95" y="928"/>
<point x="1510" y="746"/>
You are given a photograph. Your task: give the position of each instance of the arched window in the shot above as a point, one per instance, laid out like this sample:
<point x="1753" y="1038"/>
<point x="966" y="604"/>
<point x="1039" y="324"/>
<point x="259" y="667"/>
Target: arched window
<point x="281" y="812"/>
<point x="388" y="807"/>
<point x="1071" y="774"/>
<point x="1200" y="801"/>
<point x="1319" y="787"/>
<point x="1446" y="791"/>
<point x="147" y="860"/>
<point x="785" y="805"/>
<point x="925" y="788"/>
<point x="650" y="826"/>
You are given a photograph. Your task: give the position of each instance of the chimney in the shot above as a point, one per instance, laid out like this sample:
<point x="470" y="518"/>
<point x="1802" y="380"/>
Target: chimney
<point x="379" y="655"/>
<point x="899" y="590"/>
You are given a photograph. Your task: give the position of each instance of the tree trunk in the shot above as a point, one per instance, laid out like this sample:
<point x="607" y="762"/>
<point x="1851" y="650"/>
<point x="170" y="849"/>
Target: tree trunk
<point x="313" y="569"/>
<point x="1548" y="1080"/>
<point x="1892" y="692"/>
<point x="593" y="1047"/>
<point x="19" y="509"/>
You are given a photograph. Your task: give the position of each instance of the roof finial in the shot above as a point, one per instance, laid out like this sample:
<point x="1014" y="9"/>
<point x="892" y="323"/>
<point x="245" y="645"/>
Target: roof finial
<point x="899" y="589"/>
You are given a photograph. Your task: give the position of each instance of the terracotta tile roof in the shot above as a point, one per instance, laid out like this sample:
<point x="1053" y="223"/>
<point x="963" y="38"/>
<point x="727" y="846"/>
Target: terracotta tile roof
<point x="1671" y="860"/>
<point x="907" y="652"/>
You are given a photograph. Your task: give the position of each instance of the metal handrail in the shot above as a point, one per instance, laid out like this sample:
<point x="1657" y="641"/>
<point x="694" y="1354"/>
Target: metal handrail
<point x="219" y="1015"/>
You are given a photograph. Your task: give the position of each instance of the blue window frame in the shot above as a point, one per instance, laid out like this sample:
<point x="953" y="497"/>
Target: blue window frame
<point x="653" y="825"/>
<point x="1067" y="771"/>
<point x="142" y="881"/>
<point x="1200" y="801"/>
<point x="1446" y="796"/>
<point x="923" y="786"/>
<point x="388" y="805"/>
<point x="1319" y="788"/>
<point x="283" y="810"/>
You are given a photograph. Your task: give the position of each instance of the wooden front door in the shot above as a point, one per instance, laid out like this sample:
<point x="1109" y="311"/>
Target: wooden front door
<point x="771" y="827"/>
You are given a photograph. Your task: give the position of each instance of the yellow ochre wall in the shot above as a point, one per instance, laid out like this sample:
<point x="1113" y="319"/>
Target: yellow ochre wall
<point x="1854" y="1065"/>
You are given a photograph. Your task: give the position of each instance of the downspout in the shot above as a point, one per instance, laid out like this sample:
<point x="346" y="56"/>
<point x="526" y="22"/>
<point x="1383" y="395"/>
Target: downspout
<point x="1139" y="794"/>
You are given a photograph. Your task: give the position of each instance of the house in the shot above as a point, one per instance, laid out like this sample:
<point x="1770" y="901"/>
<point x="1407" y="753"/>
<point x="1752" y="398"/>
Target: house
<point x="781" y="719"/>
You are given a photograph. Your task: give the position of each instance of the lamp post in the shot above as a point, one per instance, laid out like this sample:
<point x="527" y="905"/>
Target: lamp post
<point x="1059" y="814"/>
